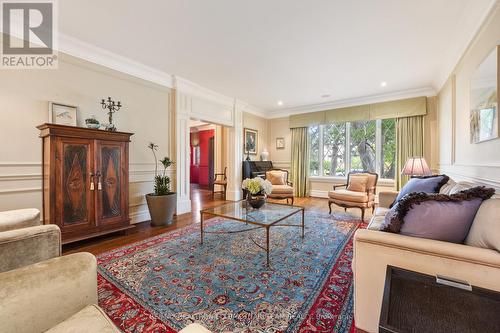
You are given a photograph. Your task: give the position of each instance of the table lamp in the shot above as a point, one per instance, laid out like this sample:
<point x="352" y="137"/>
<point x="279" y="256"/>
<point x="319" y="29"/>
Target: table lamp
<point x="416" y="166"/>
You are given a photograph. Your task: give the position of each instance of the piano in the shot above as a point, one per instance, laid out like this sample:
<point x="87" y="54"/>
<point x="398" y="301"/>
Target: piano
<point x="252" y="169"/>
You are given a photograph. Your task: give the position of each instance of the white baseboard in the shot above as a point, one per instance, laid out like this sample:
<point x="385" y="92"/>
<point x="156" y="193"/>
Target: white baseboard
<point x="318" y="194"/>
<point x="139" y="217"/>
<point x="183" y="206"/>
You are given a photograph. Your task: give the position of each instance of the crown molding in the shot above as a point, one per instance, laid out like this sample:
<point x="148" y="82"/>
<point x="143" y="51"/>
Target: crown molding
<point x="97" y="55"/>
<point x="391" y="96"/>
<point x="247" y="108"/>
<point x="190" y="88"/>
<point x="448" y="68"/>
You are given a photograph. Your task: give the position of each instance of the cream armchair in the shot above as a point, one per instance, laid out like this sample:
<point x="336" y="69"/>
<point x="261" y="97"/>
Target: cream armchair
<point x="23" y="241"/>
<point x="359" y="192"/>
<point x="282" y="187"/>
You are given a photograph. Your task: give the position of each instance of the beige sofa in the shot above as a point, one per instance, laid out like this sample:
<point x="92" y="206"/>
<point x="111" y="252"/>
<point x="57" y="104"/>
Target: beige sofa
<point x="40" y="291"/>
<point x="374" y="250"/>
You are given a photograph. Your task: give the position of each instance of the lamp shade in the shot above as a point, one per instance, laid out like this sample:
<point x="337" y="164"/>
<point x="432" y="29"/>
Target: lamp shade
<point x="416" y="166"/>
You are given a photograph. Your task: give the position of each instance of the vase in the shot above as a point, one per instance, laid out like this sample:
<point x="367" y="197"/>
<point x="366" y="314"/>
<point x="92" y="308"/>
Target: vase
<point x="256" y="201"/>
<point x="161" y="208"/>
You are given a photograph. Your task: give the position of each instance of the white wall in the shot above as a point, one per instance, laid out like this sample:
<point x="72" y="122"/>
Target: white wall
<point x="261" y="126"/>
<point x="457" y="156"/>
<point x="24" y="97"/>
<point x="280" y="128"/>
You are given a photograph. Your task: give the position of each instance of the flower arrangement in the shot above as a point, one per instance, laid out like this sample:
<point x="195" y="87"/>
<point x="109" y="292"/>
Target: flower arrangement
<point x="257" y="186"/>
<point x="162" y="182"/>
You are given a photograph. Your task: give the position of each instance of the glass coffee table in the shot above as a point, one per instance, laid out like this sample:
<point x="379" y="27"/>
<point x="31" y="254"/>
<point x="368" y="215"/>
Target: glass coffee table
<point x="269" y="215"/>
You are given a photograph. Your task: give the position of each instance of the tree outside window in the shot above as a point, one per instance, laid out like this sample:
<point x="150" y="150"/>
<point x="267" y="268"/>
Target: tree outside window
<point x="338" y="148"/>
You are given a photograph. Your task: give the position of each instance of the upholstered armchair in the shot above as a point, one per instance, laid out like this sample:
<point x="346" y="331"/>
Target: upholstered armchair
<point x="24" y="241"/>
<point x="359" y="192"/>
<point x="220" y="179"/>
<point x="282" y="188"/>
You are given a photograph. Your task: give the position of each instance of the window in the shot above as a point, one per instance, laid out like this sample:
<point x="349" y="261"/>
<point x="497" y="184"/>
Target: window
<point x="334" y="136"/>
<point x="314" y="151"/>
<point x="368" y="145"/>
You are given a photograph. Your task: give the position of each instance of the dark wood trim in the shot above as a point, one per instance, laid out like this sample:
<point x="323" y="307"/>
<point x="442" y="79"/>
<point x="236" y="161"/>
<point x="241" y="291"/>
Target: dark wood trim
<point x="81" y="132"/>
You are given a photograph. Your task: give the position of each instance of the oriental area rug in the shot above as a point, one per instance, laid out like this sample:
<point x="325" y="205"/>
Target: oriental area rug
<point x="164" y="283"/>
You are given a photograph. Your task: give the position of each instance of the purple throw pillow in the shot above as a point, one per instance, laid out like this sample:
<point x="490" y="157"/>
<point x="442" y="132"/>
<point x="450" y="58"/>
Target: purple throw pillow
<point x="437" y="216"/>
<point x="427" y="184"/>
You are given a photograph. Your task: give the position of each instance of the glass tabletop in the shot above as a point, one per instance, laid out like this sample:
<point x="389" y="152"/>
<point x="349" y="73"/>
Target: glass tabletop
<point x="266" y="215"/>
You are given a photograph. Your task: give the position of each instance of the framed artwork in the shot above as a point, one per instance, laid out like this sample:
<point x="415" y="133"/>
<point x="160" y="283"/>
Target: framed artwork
<point x="62" y="114"/>
<point x="484" y="120"/>
<point x="251" y="141"/>
<point x="280" y="143"/>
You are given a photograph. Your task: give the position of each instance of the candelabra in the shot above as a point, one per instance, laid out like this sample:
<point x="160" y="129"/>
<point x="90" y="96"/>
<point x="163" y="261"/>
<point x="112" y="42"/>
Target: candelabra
<point x="112" y="107"/>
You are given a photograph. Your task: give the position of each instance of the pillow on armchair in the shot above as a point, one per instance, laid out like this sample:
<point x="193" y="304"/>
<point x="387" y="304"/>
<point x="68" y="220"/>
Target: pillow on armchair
<point x="357" y="183"/>
<point x="276" y="177"/>
<point x="437" y="216"/>
<point x="426" y="184"/>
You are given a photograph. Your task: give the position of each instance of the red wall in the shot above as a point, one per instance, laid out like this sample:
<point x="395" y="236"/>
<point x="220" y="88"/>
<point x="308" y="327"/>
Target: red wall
<point x="199" y="173"/>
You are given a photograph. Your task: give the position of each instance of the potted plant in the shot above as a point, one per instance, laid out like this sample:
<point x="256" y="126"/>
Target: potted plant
<point x="162" y="202"/>
<point x="257" y="190"/>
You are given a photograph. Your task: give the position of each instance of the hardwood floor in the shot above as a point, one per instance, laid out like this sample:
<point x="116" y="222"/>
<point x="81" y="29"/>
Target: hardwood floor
<point x="200" y="199"/>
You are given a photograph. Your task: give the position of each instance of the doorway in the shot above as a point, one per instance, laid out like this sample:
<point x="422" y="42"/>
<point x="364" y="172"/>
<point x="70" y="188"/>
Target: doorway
<point x="205" y="160"/>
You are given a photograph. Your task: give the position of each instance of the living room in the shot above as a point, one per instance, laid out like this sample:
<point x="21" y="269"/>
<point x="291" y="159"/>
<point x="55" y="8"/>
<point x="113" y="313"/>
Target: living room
<point x="264" y="166"/>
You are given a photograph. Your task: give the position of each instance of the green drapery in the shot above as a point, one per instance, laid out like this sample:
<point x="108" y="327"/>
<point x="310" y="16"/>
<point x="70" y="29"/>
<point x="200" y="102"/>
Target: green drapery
<point x="300" y="161"/>
<point x="409" y="143"/>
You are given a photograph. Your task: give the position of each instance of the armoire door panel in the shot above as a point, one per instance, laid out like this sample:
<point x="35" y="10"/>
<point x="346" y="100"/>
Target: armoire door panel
<point x="112" y="187"/>
<point x="74" y="165"/>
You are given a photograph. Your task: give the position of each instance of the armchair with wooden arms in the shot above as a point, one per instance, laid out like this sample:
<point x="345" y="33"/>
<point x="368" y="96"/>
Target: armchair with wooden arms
<point x="282" y="187"/>
<point x="222" y="181"/>
<point x="359" y="192"/>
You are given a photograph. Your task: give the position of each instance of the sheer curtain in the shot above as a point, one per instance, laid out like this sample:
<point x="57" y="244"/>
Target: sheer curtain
<point x="300" y="161"/>
<point x="409" y="143"/>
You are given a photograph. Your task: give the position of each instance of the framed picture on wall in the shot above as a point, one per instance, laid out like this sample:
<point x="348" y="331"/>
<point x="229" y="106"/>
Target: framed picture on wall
<point x="484" y="83"/>
<point x="251" y="141"/>
<point x="280" y="143"/>
<point x="62" y="114"/>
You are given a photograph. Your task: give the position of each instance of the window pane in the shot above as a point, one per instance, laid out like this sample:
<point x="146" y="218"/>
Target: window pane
<point x="314" y="151"/>
<point x="363" y="145"/>
<point x="388" y="159"/>
<point x="334" y="149"/>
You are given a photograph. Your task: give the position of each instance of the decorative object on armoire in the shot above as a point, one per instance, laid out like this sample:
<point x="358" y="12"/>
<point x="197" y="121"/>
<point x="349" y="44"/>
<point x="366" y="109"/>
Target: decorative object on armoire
<point x="257" y="189"/>
<point x="280" y="143"/>
<point x="62" y="114"/>
<point x="484" y="84"/>
<point x="251" y="138"/>
<point x="161" y="203"/>
<point x="264" y="155"/>
<point x="92" y="122"/>
<point x="85" y="180"/>
<point x="112" y="108"/>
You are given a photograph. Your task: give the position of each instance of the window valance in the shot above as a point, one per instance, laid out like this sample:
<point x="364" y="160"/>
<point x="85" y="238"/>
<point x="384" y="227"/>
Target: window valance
<point x="394" y="109"/>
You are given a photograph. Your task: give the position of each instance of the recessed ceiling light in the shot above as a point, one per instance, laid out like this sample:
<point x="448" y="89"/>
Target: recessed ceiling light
<point x="326" y="96"/>
<point x="383" y="84"/>
<point x="280" y="103"/>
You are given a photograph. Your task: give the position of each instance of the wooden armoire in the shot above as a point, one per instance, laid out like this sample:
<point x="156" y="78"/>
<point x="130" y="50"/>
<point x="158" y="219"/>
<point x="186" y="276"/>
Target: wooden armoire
<point x="85" y="180"/>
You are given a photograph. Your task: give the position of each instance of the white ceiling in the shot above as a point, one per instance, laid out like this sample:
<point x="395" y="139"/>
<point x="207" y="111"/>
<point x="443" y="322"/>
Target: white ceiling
<point x="262" y="51"/>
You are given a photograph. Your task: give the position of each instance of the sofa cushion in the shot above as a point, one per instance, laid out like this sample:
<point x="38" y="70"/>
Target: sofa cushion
<point x="350" y="196"/>
<point x="276" y="177"/>
<point x="437" y="216"/>
<point x="19" y="218"/>
<point x="427" y="184"/>
<point x="282" y="189"/>
<point x="357" y="183"/>
<point x="377" y="222"/>
<point x="90" y="319"/>
<point x="485" y="230"/>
